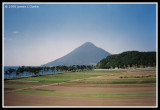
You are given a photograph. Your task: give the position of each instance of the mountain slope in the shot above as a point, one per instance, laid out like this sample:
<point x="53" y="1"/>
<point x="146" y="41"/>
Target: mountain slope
<point x="86" y="54"/>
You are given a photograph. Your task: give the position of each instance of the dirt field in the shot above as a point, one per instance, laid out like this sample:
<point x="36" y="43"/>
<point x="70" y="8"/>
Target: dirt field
<point x="16" y="99"/>
<point x="20" y="99"/>
<point x="79" y="93"/>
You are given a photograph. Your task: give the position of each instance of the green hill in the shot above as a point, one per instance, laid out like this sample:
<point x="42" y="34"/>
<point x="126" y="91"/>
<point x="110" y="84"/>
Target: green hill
<point x="128" y="59"/>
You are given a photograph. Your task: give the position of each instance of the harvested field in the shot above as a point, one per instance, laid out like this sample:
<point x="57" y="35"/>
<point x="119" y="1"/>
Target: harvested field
<point x="47" y="100"/>
<point x="89" y="88"/>
<point x="92" y="89"/>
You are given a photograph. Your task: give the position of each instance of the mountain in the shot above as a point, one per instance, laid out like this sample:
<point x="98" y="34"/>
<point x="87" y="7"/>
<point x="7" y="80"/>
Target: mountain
<point x="128" y="59"/>
<point x="86" y="54"/>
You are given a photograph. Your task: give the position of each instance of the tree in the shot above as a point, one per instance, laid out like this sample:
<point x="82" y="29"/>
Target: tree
<point x="53" y="68"/>
<point x="128" y="58"/>
<point x="43" y="70"/>
<point x="6" y="73"/>
<point x="35" y="70"/>
<point x="10" y="71"/>
<point x="28" y="70"/>
<point x="71" y="68"/>
<point x="58" y="68"/>
<point x="47" y="68"/>
<point x="89" y="67"/>
<point x="17" y="72"/>
<point x="83" y="67"/>
<point x="65" y="68"/>
<point x="78" y="67"/>
<point x="21" y="70"/>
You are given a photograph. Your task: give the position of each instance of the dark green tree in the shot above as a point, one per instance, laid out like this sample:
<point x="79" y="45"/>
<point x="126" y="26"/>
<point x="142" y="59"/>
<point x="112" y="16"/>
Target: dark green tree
<point x="53" y="68"/>
<point x="10" y="71"/>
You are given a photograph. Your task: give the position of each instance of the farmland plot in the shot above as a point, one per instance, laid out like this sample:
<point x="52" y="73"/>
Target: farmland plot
<point x="87" y="88"/>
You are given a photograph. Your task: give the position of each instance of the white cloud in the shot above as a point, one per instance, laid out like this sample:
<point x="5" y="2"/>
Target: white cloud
<point x="15" y="32"/>
<point x="9" y="39"/>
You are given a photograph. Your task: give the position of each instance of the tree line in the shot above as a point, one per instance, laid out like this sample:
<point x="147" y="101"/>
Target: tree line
<point x="19" y="72"/>
<point x="128" y="59"/>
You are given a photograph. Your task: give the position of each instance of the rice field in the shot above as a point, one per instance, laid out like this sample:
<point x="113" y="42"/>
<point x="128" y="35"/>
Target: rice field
<point x="132" y="86"/>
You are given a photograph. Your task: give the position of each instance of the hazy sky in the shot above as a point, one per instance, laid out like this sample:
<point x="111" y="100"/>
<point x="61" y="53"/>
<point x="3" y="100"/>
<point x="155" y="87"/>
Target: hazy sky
<point x="35" y="36"/>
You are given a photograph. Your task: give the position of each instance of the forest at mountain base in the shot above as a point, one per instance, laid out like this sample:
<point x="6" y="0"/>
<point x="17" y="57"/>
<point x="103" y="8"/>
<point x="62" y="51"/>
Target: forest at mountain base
<point x="128" y="59"/>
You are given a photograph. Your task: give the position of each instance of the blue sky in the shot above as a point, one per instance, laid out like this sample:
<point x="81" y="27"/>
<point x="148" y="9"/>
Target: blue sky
<point x="35" y="36"/>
